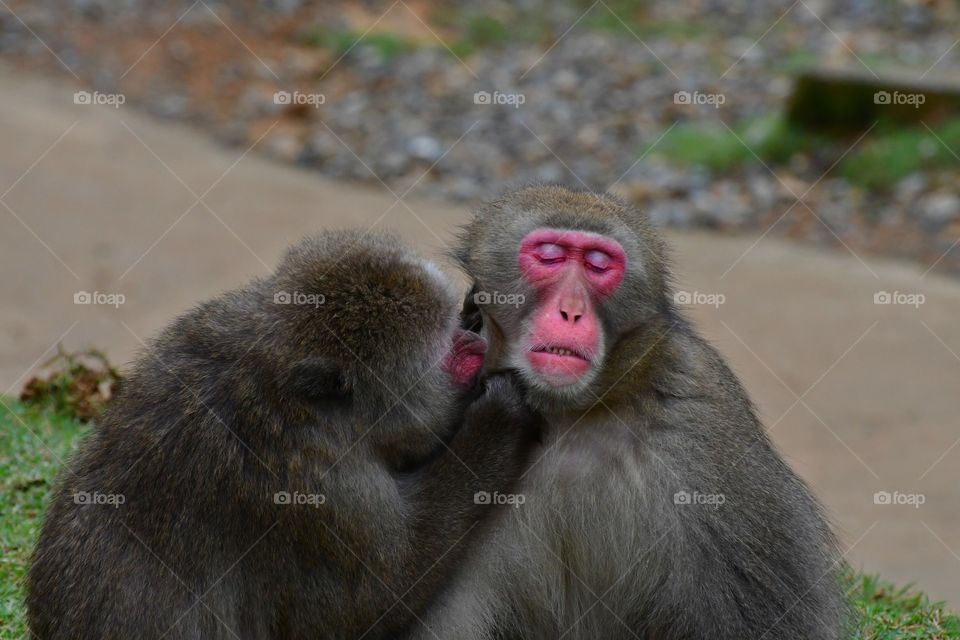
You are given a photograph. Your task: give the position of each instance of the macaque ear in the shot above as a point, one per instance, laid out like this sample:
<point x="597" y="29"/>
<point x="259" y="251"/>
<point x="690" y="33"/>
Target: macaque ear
<point x="470" y="317"/>
<point x="319" y="379"/>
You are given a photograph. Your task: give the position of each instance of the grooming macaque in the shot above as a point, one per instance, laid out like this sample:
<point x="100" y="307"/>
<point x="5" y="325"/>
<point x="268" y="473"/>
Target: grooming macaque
<point x="655" y="506"/>
<point x="276" y="465"/>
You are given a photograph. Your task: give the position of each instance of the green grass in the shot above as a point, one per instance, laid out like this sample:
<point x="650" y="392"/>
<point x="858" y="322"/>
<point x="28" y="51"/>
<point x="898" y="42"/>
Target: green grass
<point x="474" y="32"/>
<point x="887" y="612"/>
<point x="33" y="441"/>
<point x="718" y="149"/>
<point x="469" y="29"/>
<point x="884" y="156"/>
<point x="894" y="154"/>
<point x="339" y="41"/>
<point x="631" y="22"/>
<point x="481" y="32"/>
<point x="466" y="31"/>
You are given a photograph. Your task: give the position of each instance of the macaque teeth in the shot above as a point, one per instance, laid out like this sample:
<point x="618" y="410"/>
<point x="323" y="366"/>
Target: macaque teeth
<point x="560" y="351"/>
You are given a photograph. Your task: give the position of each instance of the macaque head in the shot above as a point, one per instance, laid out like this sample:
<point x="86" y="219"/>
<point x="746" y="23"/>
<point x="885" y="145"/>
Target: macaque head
<point x="559" y="277"/>
<point x="370" y="327"/>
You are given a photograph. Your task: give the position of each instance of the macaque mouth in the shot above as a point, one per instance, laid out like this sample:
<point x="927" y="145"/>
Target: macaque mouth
<point x="558" y="365"/>
<point x="469" y="343"/>
<point x="560" y="351"/>
<point x="466" y="357"/>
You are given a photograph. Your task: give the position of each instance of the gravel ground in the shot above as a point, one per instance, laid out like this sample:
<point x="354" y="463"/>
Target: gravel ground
<point x="578" y="103"/>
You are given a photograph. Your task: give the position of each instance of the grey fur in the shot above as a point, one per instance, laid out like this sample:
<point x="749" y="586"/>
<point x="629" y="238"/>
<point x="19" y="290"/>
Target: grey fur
<point x="601" y="548"/>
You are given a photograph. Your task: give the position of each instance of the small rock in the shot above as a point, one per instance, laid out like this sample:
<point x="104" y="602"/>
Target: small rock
<point x="638" y="191"/>
<point x="791" y="187"/>
<point x="917" y="17"/>
<point x="565" y="81"/>
<point x="888" y="215"/>
<point x="670" y="213"/>
<point x="950" y="233"/>
<point x="284" y="146"/>
<point x="590" y="136"/>
<point x="181" y="51"/>
<point x="170" y="106"/>
<point x="425" y="148"/>
<point x="206" y="14"/>
<point x="285" y="7"/>
<point x="393" y="163"/>
<point x="698" y="178"/>
<point x="257" y="101"/>
<point x="718" y="208"/>
<point x="91" y="9"/>
<point x="940" y="207"/>
<point x="463" y="189"/>
<point x="910" y="187"/>
<point x="304" y="62"/>
<point x="551" y="172"/>
<point x="763" y="191"/>
<point x="835" y="214"/>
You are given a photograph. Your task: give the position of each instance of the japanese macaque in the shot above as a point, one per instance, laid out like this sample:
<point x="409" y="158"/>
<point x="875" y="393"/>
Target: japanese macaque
<point x="655" y="506"/>
<point x="298" y="458"/>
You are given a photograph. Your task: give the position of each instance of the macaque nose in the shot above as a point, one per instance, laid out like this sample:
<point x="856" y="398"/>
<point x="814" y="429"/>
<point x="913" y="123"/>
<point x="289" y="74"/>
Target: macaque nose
<point x="571" y="309"/>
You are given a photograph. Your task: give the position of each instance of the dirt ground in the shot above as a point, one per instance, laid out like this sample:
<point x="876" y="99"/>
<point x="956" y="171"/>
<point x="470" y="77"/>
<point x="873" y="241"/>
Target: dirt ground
<point x="860" y="397"/>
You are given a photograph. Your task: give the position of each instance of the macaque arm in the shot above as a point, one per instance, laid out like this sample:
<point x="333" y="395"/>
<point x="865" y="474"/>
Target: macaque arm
<point x="451" y="498"/>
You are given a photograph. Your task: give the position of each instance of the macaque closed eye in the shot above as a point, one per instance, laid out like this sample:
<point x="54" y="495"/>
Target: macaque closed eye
<point x="597" y="260"/>
<point x="549" y="253"/>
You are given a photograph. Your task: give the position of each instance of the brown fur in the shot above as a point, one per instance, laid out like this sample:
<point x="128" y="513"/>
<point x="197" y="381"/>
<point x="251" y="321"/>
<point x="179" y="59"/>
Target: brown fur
<point x="243" y="398"/>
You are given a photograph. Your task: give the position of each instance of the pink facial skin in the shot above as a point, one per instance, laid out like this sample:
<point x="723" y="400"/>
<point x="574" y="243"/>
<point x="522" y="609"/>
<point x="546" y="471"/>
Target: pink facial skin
<point x="465" y="358"/>
<point x="572" y="271"/>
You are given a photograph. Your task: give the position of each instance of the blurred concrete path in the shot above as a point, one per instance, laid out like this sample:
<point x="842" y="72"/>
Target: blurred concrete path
<point x="860" y="397"/>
